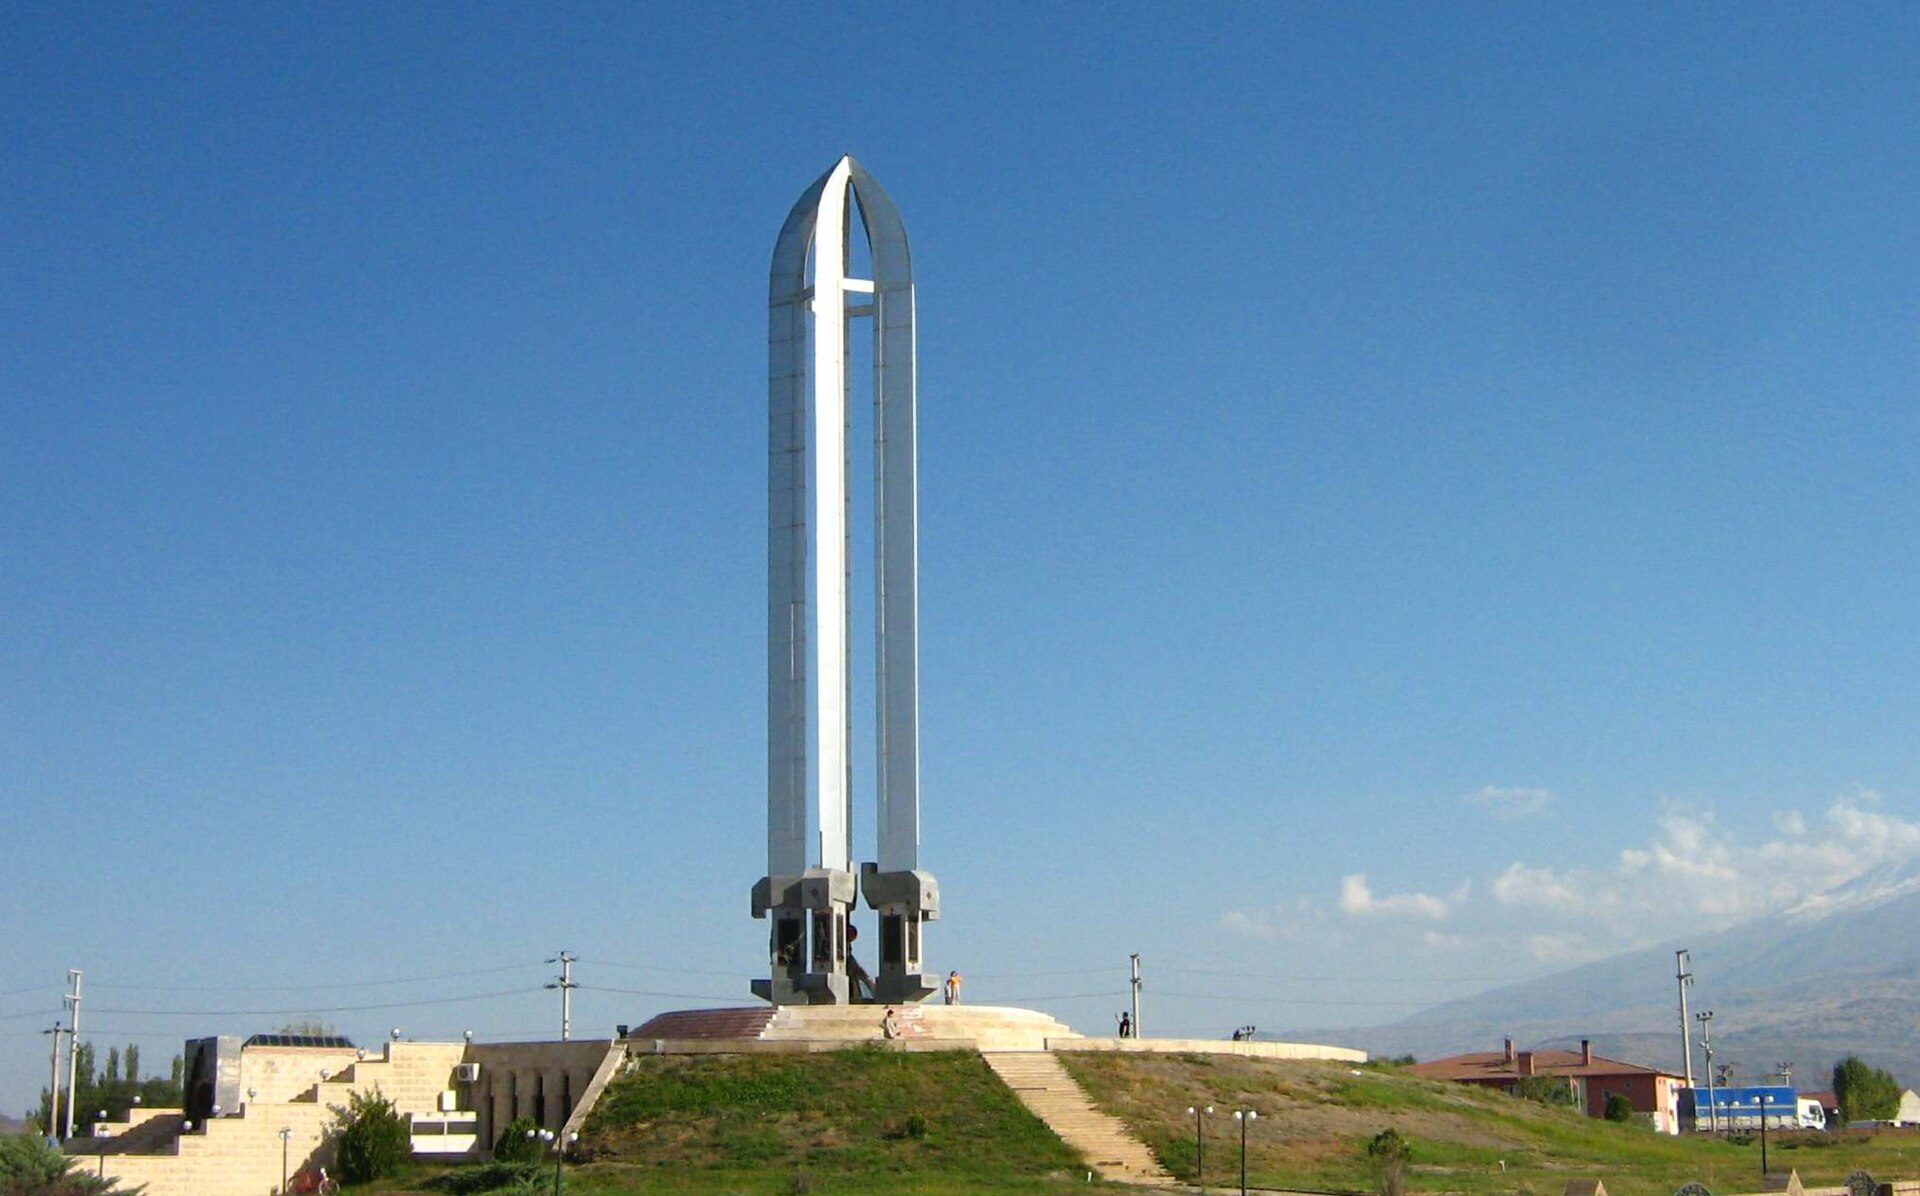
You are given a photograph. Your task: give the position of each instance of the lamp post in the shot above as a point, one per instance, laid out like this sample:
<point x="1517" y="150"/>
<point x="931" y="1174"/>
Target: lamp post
<point x="1197" y="1112"/>
<point x="549" y="1138"/>
<point x="286" y="1139"/>
<point x="1244" y="1117"/>
<point x="1763" y="1133"/>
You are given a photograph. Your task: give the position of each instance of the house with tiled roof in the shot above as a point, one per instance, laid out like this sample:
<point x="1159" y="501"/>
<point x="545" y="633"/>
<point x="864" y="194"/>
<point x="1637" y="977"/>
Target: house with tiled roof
<point x="1590" y="1079"/>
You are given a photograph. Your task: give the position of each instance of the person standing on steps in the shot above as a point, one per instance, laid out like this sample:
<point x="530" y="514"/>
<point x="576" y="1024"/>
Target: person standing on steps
<point x="953" y="988"/>
<point x="1126" y="1025"/>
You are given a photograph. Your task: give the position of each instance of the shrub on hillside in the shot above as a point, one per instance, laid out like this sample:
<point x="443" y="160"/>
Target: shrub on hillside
<point x="519" y="1142"/>
<point x="374" y="1139"/>
<point x="1619" y="1108"/>
<point x="1390" y="1153"/>
<point x="1548" y="1090"/>
<point x="488" y="1177"/>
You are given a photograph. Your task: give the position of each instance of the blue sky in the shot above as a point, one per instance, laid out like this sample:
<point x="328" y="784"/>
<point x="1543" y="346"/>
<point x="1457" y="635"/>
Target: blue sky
<point x="1412" y="496"/>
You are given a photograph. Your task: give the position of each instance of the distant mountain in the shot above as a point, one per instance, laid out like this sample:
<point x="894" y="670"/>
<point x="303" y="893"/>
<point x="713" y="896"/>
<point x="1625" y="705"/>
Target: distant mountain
<point x="1837" y="974"/>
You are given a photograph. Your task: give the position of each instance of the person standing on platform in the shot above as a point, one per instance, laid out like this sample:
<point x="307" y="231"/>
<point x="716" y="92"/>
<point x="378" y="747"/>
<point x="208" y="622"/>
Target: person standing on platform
<point x="953" y="988"/>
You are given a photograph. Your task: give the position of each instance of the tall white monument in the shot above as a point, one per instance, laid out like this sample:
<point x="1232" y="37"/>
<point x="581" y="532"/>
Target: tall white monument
<point x="810" y="886"/>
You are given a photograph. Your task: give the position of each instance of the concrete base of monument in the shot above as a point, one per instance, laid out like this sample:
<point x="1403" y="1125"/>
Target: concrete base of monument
<point x="828" y="1027"/>
<point x="803" y="1028"/>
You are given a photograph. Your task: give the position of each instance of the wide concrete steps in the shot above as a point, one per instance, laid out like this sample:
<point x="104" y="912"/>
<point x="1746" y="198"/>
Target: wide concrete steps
<point x="987" y="1027"/>
<point x="706" y="1024"/>
<point x="1045" y="1087"/>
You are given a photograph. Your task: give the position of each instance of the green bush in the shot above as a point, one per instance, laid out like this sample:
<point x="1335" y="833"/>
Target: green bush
<point x="1548" y="1090"/>
<point x="1390" y="1153"/>
<point x="374" y="1140"/>
<point x="488" y="1177"/>
<point x="29" y="1167"/>
<point x="1865" y="1093"/>
<point x="519" y="1142"/>
<point x="1619" y="1108"/>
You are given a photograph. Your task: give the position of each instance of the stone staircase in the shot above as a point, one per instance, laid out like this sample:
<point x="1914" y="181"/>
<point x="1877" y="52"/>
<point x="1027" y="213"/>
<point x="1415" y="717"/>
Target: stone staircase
<point x="706" y="1025"/>
<point x="1044" y="1086"/>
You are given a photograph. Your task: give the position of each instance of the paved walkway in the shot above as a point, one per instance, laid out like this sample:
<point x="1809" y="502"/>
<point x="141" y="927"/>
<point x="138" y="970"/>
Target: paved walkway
<point x="1053" y="1095"/>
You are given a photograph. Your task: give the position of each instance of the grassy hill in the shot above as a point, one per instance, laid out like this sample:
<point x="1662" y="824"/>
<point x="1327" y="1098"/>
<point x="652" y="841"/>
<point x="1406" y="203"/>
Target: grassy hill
<point x="852" y="1121"/>
<point x="1316" y="1118"/>
<point x="871" y="1121"/>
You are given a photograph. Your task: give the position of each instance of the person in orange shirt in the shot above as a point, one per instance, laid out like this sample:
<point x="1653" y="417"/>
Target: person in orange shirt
<point x="953" y="988"/>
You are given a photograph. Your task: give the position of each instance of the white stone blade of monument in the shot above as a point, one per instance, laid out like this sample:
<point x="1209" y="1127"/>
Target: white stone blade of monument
<point x="814" y="306"/>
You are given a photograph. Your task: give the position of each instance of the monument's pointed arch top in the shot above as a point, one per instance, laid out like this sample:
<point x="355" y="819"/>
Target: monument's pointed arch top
<point x="827" y="198"/>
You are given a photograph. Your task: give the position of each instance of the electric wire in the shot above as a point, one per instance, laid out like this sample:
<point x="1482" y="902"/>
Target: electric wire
<point x="295" y="1012"/>
<point x="321" y="987"/>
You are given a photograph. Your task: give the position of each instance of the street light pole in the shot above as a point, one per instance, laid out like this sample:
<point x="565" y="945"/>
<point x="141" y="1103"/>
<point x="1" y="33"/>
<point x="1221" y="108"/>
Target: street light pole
<point x="1763" y="1133"/>
<point x="286" y="1138"/>
<point x="1199" y="1144"/>
<point x="1244" y="1116"/>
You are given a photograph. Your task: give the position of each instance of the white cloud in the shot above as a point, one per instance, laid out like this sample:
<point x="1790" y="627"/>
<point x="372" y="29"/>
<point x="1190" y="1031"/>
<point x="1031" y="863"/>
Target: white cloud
<point x="1358" y="899"/>
<point x="1288" y="922"/>
<point x="1537" y="887"/>
<point x="1563" y="948"/>
<point x="1690" y="873"/>
<point x="1504" y="803"/>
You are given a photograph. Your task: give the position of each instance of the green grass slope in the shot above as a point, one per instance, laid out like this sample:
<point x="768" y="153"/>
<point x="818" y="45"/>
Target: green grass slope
<point x="1316" y="1118"/>
<point x="852" y="1121"/>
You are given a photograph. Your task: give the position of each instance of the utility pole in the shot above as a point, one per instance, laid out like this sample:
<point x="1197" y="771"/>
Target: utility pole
<point x="73" y="1048"/>
<point x="1136" y="994"/>
<point x="566" y="986"/>
<point x="53" y="1085"/>
<point x="1705" y="1018"/>
<point x="1684" y="978"/>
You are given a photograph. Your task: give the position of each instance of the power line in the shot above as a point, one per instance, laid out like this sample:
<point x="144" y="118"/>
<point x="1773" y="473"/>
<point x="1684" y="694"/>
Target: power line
<point x="288" y="988"/>
<point x="1303" y="979"/>
<point x="642" y="992"/>
<point x="1244" y="999"/>
<point x="647" y="967"/>
<point x="509" y="992"/>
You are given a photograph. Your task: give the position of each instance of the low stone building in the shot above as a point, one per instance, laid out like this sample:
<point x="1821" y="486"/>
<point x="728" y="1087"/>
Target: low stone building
<point x="264" y="1107"/>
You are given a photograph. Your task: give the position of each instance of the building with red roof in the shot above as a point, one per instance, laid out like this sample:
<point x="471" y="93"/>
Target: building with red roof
<point x="1590" y="1079"/>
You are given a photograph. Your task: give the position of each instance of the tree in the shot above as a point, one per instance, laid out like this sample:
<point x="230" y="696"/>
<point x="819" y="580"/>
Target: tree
<point x="373" y="1141"/>
<point x="1865" y="1093"/>
<point x="1548" y="1090"/>
<point x="1390" y="1153"/>
<point x="1619" y="1108"/>
<point x="519" y="1142"/>
<point x="114" y="1095"/>
<point x="29" y="1167"/>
